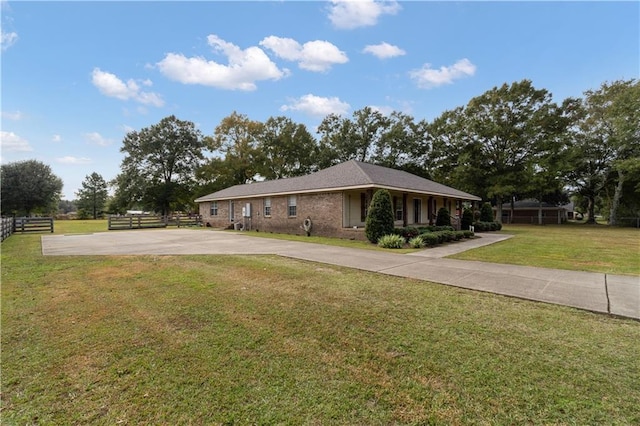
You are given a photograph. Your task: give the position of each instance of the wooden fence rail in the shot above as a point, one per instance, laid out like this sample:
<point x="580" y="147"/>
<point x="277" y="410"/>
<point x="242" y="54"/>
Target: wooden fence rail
<point x="33" y="224"/>
<point x="151" y="221"/>
<point x="24" y="225"/>
<point x="6" y="227"/>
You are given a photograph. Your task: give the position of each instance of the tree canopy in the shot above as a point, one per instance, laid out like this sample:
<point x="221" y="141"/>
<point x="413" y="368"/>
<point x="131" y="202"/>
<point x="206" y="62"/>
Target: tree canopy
<point x="159" y="167"/>
<point x="92" y="197"/>
<point x="29" y="187"/>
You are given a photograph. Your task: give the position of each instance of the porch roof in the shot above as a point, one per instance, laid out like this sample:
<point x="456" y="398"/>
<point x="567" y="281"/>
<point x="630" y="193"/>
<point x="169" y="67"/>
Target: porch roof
<point x="350" y="175"/>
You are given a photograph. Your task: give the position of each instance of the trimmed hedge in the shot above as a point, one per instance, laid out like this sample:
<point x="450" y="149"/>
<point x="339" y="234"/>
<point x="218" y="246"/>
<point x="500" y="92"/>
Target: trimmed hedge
<point x="487" y="226"/>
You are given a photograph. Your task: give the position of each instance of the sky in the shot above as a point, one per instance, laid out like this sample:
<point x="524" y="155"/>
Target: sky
<point x="78" y="76"/>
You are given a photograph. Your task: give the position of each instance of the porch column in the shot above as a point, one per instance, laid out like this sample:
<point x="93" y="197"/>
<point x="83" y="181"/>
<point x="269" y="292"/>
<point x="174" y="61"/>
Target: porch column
<point x="404" y="209"/>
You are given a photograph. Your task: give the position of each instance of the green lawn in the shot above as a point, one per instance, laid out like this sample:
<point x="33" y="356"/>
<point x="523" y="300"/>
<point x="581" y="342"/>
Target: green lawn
<point x="596" y="248"/>
<point x="269" y="340"/>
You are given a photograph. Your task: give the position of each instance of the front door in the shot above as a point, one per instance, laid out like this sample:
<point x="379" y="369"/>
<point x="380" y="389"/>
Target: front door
<point x="417" y="210"/>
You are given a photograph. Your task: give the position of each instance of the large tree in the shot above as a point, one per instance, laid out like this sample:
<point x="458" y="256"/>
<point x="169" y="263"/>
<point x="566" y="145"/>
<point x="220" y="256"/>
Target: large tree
<point x="29" y="187"/>
<point x="159" y="167"/>
<point x="489" y="144"/>
<point x="288" y="149"/>
<point x="238" y="158"/>
<point x="355" y="138"/>
<point x="606" y="146"/>
<point x="92" y="197"/>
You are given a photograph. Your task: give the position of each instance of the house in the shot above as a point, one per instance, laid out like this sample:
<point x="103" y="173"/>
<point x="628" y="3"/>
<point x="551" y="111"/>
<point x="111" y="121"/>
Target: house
<point x="534" y="212"/>
<point x="334" y="201"/>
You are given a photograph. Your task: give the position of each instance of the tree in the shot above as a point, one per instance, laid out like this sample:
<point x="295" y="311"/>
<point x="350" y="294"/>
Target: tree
<point x="158" y="170"/>
<point x="239" y="159"/>
<point x="345" y="139"/>
<point x="288" y="149"/>
<point x="29" y="187"/>
<point x="92" y="197"/>
<point x="443" y="218"/>
<point x="379" y="221"/>
<point x="486" y="213"/>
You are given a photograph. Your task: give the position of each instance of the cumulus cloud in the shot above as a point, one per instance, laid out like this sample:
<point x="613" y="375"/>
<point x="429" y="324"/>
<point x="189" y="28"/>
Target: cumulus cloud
<point x="317" y="55"/>
<point x="349" y="14"/>
<point x="317" y="105"/>
<point x="8" y="39"/>
<point x="384" y="50"/>
<point x="73" y="160"/>
<point x="56" y="138"/>
<point x="10" y="142"/>
<point x="110" y="85"/>
<point x="243" y="69"/>
<point x="95" y="138"/>
<point x="427" y="77"/>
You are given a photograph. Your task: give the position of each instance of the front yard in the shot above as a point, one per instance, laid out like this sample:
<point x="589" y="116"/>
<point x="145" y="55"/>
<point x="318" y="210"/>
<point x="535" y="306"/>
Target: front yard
<point x="268" y="340"/>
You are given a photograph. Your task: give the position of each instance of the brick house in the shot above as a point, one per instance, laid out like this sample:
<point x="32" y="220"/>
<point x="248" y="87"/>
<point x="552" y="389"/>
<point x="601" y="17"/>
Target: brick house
<point x="335" y="200"/>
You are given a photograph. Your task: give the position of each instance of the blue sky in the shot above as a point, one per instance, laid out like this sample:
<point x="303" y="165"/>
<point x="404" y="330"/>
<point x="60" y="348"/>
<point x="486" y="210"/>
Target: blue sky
<point x="77" y="76"/>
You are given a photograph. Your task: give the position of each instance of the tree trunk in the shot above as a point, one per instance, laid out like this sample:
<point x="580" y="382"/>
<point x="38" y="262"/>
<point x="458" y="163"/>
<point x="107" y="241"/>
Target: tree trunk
<point x="616" y="199"/>
<point x="499" y="210"/>
<point x="591" y="210"/>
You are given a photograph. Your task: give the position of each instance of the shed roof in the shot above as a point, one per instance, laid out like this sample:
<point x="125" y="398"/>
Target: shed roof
<point x="348" y="175"/>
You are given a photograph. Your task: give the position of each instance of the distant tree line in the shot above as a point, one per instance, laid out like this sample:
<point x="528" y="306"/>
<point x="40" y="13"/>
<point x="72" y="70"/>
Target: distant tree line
<point x="512" y="142"/>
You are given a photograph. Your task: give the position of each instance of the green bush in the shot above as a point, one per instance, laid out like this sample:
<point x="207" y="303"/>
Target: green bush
<point x="379" y="220"/>
<point x="430" y="239"/>
<point x="458" y="235"/>
<point x="443" y="218"/>
<point x="407" y="232"/>
<point x="486" y="213"/>
<point x="416" y="242"/>
<point x="391" y="241"/>
<point x="468" y="233"/>
<point x="467" y="219"/>
<point x="487" y="226"/>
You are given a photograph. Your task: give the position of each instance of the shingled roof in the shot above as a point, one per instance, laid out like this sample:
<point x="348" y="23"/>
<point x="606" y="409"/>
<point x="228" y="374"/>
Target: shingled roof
<point x="344" y="176"/>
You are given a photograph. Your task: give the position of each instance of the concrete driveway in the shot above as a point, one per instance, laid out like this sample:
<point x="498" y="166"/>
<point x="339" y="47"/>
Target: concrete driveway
<point x="597" y="292"/>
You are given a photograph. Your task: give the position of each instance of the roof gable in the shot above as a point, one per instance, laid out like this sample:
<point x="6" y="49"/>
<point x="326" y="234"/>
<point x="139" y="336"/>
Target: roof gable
<point x="348" y="175"/>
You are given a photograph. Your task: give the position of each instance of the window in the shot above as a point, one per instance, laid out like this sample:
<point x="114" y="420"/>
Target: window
<point x="398" y="208"/>
<point x="293" y="204"/>
<point x="364" y="208"/>
<point x="267" y="206"/>
<point x="214" y="208"/>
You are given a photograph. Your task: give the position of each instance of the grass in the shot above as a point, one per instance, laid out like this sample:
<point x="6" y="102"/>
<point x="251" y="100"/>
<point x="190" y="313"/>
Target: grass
<point x="595" y="248"/>
<point x="268" y="340"/>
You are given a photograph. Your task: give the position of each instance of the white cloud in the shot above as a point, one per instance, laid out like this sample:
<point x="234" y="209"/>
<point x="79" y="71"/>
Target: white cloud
<point x="8" y="39"/>
<point x="427" y="77"/>
<point x="13" y="116"/>
<point x="56" y="138"/>
<point x="317" y="55"/>
<point x="384" y="50"/>
<point x="317" y="106"/>
<point x="349" y="14"/>
<point x="110" y="85"/>
<point x="243" y="70"/>
<point x="96" y="138"/>
<point x="73" y="160"/>
<point x="10" y="142"/>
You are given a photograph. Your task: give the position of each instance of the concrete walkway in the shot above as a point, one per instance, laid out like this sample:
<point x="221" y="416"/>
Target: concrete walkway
<point x="597" y="292"/>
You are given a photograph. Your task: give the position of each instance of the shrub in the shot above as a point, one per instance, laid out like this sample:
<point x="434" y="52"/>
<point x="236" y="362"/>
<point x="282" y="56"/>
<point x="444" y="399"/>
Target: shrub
<point x="430" y="239"/>
<point x="467" y="219"/>
<point x="391" y="241"/>
<point x="458" y="235"/>
<point x="448" y="235"/>
<point x="468" y="234"/>
<point x="487" y="226"/>
<point x="443" y="218"/>
<point x="379" y="220"/>
<point x="416" y="242"/>
<point x="486" y="213"/>
<point x="408" y="232"/>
